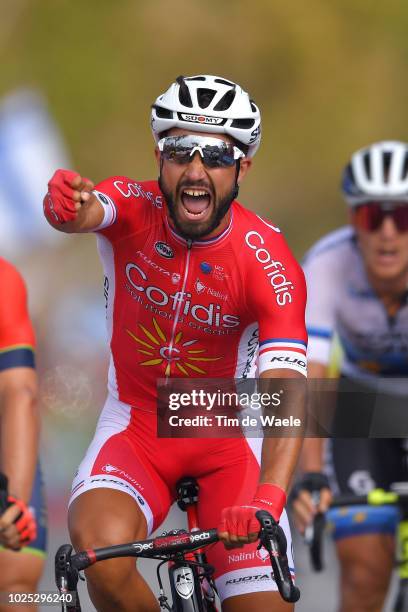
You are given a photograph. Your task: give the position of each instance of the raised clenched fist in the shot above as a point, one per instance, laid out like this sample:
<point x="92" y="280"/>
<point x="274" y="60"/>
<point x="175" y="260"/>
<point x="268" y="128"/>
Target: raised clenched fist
<point x="67" y="191"/>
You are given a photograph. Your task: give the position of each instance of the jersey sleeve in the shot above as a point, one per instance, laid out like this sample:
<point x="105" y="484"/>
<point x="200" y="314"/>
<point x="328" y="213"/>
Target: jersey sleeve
<point x="126" y="205"/>
<point x="17" y="340"/>
<point x="321" y="306"/>
<point x="277" y="297"/>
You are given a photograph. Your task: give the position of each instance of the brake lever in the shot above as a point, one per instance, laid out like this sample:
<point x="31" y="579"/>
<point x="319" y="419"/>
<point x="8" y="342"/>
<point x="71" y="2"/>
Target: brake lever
<point x="313" y="536"/>
<point x="3" y="493"/>
<point x="66" y="577"/>
<point x="273" y="539"/>
<point x="314" y="540"/>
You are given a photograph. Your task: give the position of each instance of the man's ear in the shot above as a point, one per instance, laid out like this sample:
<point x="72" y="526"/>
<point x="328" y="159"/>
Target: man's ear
<point x="244" y="166"/>
<point x="157" y="155"/>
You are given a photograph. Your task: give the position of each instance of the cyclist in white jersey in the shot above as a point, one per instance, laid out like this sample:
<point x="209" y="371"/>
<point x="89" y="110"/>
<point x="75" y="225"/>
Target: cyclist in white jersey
<point x="357" y="280"/>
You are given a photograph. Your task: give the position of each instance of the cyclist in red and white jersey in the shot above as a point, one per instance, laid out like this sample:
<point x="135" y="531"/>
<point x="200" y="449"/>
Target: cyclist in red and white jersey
<point x="194" y="282"/>
<point x="22" y="524"/>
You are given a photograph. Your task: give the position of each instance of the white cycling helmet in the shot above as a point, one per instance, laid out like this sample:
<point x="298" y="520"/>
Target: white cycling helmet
<point x="207" y="103"/>
<point x="377" y="173"/>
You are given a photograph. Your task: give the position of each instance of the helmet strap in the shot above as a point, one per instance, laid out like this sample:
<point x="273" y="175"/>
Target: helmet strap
<point x="236" y="188"/>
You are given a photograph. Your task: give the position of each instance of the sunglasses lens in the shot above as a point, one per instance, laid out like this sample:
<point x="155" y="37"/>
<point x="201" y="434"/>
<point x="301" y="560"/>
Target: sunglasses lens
<point x="400" y="217"/>
<point x="176" y="154"/>
<point x="214" y="152"/>
<point x="370" y="216"/>
<point x="218" y="156"/>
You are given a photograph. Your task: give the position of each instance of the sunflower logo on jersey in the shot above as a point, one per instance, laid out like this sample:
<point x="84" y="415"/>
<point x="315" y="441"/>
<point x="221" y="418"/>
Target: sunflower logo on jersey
<point x="183" y="356"/>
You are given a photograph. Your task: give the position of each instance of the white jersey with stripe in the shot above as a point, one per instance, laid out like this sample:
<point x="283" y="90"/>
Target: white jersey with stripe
<point x="341" y="301"/>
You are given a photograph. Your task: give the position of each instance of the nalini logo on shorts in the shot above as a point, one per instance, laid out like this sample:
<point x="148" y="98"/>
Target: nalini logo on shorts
<point x="109" y="469"/>
<point x="262" y="554"/>
<point x="164" y="250"/>
<point x="184" y="582"/>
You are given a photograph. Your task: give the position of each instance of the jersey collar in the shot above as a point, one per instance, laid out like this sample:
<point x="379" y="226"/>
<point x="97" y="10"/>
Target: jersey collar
<point x="200" y="243"/>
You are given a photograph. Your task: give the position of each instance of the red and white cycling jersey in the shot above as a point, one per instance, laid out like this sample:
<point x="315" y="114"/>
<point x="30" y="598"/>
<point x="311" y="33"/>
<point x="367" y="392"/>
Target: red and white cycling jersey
<point x="17" y="339"/>
<point x="201" y="309"/>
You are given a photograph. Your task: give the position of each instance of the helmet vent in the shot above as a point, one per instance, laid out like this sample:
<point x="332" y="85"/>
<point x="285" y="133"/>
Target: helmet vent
<point x="184" y="94"/>
<point x="387" y="164"/>
<point x="163" y="113"/>
<point x="197" y="78"/>
<point x="252" y="103"/>
<point x="405" y="168"/>
<point x="243" y="124"/>
<point x="350" y="179"/>
<point x="367" y="165"/>
<point x="226" y="101"/>
<point x="205" y="96"/>
<point x="224" y="82"/>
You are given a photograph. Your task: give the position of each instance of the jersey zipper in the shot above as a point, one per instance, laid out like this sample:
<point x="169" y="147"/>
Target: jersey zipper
<point x="180" y="302"/>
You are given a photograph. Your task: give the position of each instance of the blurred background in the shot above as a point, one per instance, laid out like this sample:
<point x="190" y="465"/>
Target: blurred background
<point x="76" y="84"/>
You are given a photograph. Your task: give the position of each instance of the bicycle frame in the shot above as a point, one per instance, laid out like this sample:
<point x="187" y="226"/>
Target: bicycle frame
<point x="184" y="578"/>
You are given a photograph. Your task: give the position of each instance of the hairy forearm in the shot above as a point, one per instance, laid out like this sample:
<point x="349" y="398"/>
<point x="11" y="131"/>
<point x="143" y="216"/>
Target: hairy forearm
<point x="280" y="455"/>
<point x="312" y="454"/>
<point x="279" y="460"/>
<point x="19" y="437"/>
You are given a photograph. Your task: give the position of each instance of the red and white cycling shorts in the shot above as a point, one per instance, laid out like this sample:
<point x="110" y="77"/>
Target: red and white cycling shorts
<point x="126" y="454"/>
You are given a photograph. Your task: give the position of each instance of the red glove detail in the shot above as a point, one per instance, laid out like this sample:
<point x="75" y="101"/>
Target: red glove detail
<point x="241" y="520"/>
<point x="25" y="522"/>
<point x="59" y="207"/>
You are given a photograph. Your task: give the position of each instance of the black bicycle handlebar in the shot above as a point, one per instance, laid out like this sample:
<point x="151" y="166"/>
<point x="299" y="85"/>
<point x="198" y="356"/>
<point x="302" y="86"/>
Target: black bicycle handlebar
<point x="272" y="537"/>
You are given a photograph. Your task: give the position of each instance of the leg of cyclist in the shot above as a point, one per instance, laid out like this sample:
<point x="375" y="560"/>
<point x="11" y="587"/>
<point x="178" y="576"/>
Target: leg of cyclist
<point x="117" y="497"/>
<point x="257" y="601"/>
<point x="243" y="575"/>
<point x="366" y="564"/>
<point x="20" y="573"/>
<point x="104" y="517"/>
<point x="364" y="535"/>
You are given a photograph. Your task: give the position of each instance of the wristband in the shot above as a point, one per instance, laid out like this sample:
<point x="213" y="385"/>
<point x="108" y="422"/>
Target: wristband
<point x="272" y="497"/>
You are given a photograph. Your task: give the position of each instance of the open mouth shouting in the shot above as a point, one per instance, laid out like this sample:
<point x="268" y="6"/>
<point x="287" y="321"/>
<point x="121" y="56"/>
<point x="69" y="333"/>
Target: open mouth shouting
<point x="387" y="256"/>
<point x="195" y="203"/>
